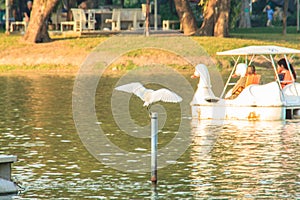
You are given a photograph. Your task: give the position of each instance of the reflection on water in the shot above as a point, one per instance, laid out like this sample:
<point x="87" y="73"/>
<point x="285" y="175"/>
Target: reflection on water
<point x="246" y="160"/>
<point x="225" y="160"/>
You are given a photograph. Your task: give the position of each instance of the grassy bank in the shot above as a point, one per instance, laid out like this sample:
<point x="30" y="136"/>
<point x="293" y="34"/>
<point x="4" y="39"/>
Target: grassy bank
<point x="254" y="36"/>
<point x="67" y="54"/>
<point x="61" y="55"/>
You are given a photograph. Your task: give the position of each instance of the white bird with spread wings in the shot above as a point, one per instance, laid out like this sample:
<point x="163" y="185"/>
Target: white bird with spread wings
<point x="150" y="96"/>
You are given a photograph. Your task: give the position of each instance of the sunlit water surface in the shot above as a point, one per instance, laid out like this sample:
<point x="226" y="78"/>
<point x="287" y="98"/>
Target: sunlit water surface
<point x="239" y="160"/>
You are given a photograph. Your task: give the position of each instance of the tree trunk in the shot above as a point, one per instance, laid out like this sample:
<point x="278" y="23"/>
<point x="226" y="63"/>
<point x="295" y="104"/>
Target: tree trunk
<point x="284" y="17"/>
<point x="147" y="20"/>
<point x="216" y="19"/>
<point x="37" y="30"/>
<point x="245" y="15"/>
<point x="186" y="17"/>
<point x="207" y="27"/>
<point x="221" y="28"/>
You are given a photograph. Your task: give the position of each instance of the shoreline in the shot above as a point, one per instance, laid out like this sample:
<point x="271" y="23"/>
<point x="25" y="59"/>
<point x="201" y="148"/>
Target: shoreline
<point x="69" y="63"/>
<point x="74" y="71"/>
<point x="39" y="70"/>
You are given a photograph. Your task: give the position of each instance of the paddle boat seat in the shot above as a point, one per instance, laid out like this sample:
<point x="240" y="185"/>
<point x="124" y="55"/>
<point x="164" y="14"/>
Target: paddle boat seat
<point x="250" y="80"/>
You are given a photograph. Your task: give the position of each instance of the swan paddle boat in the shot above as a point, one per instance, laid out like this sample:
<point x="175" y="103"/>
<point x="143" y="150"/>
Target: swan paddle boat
<point x="257" y="102"/>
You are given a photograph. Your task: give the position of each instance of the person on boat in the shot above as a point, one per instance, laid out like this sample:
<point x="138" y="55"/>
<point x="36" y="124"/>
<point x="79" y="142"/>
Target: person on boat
<point x="251" y="70"/>
<point x="241" y="70"/>
<point x="247" y="77"/>
<point x="286" y="76"/>
<point x="252" y="77"/>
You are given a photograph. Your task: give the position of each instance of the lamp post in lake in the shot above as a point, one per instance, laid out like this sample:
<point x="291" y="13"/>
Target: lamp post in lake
<point x="154" y="141"/>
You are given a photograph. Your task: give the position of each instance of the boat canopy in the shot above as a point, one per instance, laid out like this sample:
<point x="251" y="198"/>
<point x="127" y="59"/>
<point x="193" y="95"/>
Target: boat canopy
<point x="259" y="50"/>
<point x="253" y="51"/>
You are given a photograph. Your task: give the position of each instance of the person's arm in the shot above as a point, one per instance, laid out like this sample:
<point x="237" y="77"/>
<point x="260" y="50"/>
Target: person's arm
<point x="26" y="17"/>
<point x="239" y="86"/>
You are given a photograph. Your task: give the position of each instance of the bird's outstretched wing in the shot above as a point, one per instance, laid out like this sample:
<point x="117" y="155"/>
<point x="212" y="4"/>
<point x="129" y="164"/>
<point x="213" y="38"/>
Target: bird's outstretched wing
<point x="136" y="88"/>
<point x="165" y="95"/>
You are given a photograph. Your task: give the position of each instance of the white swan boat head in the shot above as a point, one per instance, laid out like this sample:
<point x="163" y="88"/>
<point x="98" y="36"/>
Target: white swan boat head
<point x="267" y="101"/>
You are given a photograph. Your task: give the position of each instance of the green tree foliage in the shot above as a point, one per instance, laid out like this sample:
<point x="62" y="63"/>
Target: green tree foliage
<point x="234" y="16"/>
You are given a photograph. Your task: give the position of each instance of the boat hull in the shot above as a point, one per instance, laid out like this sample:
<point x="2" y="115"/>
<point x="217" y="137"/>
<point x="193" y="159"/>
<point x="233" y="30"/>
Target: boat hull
<point x="250" y="113"/>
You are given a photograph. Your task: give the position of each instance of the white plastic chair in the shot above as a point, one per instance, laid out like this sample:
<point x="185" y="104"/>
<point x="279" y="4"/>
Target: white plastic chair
<point x="80" y="21"/>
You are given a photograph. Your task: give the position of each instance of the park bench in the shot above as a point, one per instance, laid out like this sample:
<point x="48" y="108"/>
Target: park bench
<point x="80" y="20"/>
<point x="58" y="17"/>
<point x="14" y="25"/>
<point x="170" y="24"/>
<point x="134" y="16"/>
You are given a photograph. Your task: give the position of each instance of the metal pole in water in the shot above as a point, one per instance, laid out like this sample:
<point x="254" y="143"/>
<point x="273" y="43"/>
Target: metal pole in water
<point x="154" y="139"/>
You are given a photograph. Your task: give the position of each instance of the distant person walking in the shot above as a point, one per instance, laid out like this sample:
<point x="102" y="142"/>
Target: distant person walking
<point x="270" y="15"/>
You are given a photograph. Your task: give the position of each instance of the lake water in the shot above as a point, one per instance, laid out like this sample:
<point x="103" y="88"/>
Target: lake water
<point x="225" y="160"/>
